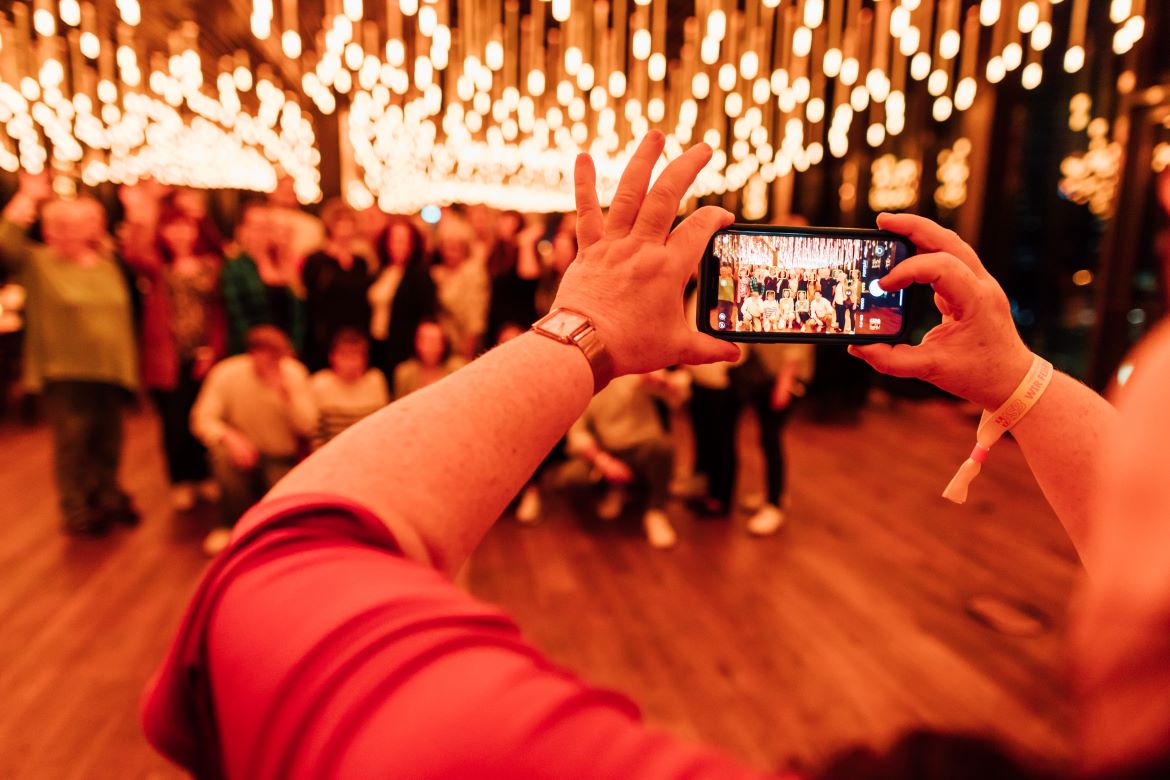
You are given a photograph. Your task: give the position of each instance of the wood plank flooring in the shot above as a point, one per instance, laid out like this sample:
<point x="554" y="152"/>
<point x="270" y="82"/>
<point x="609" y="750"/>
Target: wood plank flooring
<point x="847" y="626"/>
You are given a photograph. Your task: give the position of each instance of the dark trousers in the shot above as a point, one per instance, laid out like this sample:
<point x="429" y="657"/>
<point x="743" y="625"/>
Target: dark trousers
<point x="841" y="309"/>
<point x="86" y="419"/>
<point x="713" y="416"/>
<point x="186" y="457"/>
<point x="240" y="489"/>
<point x="652" y="462"/>
<point x="715" y="413"/>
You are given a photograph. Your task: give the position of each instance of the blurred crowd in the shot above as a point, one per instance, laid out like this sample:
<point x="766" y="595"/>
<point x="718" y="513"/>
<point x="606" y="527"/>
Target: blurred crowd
<point x="257" y="348"/>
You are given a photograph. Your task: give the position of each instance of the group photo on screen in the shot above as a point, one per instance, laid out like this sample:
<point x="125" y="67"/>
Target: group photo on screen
<point x="804" y="284"/>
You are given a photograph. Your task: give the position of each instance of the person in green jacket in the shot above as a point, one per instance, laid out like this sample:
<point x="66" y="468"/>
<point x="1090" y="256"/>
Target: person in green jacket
<point x="79" y="348"/>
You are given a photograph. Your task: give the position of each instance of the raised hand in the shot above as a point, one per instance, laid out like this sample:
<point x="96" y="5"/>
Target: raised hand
<point x="976" y="352"/>
<point x="631" y="268"/>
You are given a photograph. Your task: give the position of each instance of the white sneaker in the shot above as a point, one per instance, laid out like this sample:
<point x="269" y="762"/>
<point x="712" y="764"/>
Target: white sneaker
<point x="611" y="505"/>
<point x="528" y="510"/>
<point x="659" y="532"/>
<point x="182" y="496"/>
<point x="208" y="490"/>
<point x="766" y="521"/>
<point x="215" y="542"/>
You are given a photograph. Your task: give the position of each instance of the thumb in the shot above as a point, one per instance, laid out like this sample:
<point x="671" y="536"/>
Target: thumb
<point x="898" y="360"/>
<point x="700" y="348"/>
<point x="691" y="236"/>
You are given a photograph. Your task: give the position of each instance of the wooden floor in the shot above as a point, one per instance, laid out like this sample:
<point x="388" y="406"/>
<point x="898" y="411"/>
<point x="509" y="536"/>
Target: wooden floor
<point x="847" y="626"/>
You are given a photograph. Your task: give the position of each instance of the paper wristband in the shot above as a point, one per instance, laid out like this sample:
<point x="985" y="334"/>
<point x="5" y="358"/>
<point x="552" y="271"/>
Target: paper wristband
<point x="993" y="425"/>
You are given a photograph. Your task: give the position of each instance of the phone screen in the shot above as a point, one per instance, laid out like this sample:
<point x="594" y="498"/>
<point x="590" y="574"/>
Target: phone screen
<point x="801" y="284"/>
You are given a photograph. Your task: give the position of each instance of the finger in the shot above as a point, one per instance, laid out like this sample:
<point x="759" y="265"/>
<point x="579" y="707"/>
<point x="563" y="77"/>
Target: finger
<point x="623" y="210"/>
<point x="942" y="306"/>
<point x="952" y="280"/>
<point x="700" y="348"/>
<point x="661" y="204"/>
<point x="590" y="222"/>
<point x="930" y="236"/>
<point x="690" y="238"/>
<point x="899" y="360"/>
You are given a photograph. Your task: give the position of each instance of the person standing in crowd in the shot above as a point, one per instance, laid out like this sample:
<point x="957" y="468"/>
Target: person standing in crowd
<point x="752" y="311"/>
<point x="183" y="330"/>
<point x="515" y="272"/>
<point x="371" y="222"/>
<point x="253" y="413"/>
<point x="349" y="389"/>
<point x="402" y="295"/>
<point x="193" y="204"/>
<point x="300" y="233"/>
<point x="726" y="298"/>
<point x="431" y="362"/>
<point x="462" y="286"/>
<point x="261" y="284"/>
<point x="562" y="254"/>
<point x="79" y="346"/>
<point x="336" y="281"/>
<point x="621" y="436"/>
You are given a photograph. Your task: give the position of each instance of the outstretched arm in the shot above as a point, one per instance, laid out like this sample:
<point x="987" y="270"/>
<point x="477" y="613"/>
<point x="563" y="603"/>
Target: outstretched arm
<point x="440" y="466"/>
<point x="977" y="354"/>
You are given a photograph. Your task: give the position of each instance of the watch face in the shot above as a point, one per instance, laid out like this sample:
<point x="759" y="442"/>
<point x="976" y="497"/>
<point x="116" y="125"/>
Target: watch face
<point x="563" y="324"/>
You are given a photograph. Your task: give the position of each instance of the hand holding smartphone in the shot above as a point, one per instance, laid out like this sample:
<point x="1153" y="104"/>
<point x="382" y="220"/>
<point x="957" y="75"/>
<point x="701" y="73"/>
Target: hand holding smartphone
<point x="800" y="284"/>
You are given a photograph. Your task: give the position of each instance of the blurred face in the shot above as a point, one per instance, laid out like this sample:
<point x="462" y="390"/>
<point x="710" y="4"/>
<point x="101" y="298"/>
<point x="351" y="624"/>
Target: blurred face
<point x="349" y="361"/>
<point x="73" y="227"/>
<point x="400" y="243"/>
<point x="180" y="236"/>
<point x="370" y="223"/>
<point x="265" y="361"/>
<point x="787" y="294"/>
<point x="725" y="272"/>
<point x="191" y="202"/>
<point x="253" y="228"/>
<point x="343" y="228"/>
<point x="507" y="225"/>
<point x="285" y="194"/>
<point x="481" y="219"/>
<point x="430" y="343"/>
<point x="453" y="251"/>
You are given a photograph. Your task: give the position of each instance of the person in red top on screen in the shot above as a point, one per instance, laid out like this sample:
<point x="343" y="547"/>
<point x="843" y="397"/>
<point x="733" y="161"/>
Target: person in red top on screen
<point x="329" y="641"/>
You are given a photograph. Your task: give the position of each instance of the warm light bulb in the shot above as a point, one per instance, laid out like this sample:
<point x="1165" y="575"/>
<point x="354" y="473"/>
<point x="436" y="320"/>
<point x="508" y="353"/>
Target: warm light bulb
<point x="573" y="60"/>
<point x="1119" y="10"/>
<point x="937" y="83"/>
<point x="700" y="85"/>
<point x="899" y="21"/>
<point x="353" y="9"/>
<point x="996" y="70"/>
<point x="942" y="108"/>
<point x="920" y="66"/>
<point x="640" y="44"/>
<point x="90" y="45"/>
<point x="814" y="110"/>
<point x="910" y="41"/>
<point x="493" y="55"/>
<point x="802" y="41"/>
<point x="875" y="134"/>
<point x="1029" y="17"/>
<point x="1074" y="59"/>
<point x="1032" y="75"/>
<point x="814" y="13"/>
<point x="831" y="65"/>
<point x="561" y="10"/>
<point x="1041" y="36"/>
<point x="656" y="66"/>
<point x="70" y="12"/>
<point x="989" y="11"/>
<point x="726" y="76"/>
<point x="1013" y="55"/>
<point x="948" y="44"/>
<point x="617" y="84"/>
<point x="290" y="44"/>
<point x="44" y="23"/>
<point x="749" y="65"/>
<point x="716" y="25"/>
<point x="965" y="93"/>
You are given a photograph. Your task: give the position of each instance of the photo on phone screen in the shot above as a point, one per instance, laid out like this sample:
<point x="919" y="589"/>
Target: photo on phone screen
<point x="802" y="284"/>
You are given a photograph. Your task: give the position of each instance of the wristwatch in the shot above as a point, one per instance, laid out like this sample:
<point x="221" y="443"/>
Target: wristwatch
<point x="573" y="327"/>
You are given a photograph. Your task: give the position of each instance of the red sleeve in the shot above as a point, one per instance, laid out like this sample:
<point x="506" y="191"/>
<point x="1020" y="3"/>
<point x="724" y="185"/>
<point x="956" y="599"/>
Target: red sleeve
<point x="315" y="650"/>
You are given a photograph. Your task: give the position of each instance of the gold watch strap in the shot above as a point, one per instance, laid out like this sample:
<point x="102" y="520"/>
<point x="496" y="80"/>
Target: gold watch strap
<point x="599" y="358"/>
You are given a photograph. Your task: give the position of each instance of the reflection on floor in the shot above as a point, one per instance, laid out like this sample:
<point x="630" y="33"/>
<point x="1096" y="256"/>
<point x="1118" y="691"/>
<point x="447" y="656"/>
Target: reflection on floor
<point x="847" y="626"/>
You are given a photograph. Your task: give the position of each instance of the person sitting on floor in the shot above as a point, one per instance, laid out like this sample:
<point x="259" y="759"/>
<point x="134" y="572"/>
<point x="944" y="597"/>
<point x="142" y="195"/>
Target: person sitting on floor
<point x="431" y="362"/>
<point x="253" y="413"/>
<point x="349" y="389"/>
<point x="622" y="437"/>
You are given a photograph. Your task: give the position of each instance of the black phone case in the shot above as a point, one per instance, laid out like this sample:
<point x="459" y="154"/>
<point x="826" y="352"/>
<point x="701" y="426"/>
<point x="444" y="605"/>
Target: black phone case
<point x="707" y="279"/>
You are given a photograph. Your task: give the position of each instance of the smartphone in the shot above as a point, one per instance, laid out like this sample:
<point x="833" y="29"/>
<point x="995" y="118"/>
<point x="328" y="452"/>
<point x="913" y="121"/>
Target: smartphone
<point x="802" y="284"/>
